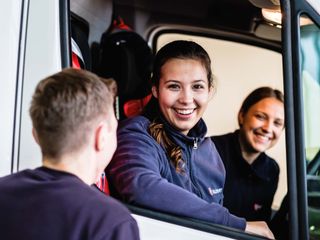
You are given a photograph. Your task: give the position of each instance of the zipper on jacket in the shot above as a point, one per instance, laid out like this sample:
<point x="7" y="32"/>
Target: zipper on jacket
<point x="195" y="143"/>
<point x="196" y="187"/>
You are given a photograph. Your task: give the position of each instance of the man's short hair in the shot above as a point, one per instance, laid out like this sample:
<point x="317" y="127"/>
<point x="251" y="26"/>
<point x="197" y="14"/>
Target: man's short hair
<point x="111" y="84"/>
<point x="64" y="108"/>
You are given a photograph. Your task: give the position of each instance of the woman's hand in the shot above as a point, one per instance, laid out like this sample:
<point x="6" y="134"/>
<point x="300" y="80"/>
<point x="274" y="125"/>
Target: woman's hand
<point x="260" y="228"/>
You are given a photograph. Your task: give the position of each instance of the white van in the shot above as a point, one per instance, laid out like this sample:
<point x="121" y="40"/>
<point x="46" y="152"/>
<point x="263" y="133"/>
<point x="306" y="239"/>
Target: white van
<point x="252" y="43"/>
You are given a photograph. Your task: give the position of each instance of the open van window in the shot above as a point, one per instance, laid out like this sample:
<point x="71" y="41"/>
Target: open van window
<point x="238" y="68"/>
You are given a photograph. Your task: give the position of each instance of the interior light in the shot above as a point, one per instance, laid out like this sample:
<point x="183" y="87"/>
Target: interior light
<point x="273" y="16"/>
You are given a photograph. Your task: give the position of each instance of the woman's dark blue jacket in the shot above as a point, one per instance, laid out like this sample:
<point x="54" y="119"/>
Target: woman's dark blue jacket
<point x="141" y="173"/>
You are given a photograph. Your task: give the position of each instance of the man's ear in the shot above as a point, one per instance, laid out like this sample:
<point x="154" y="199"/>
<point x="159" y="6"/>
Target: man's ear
<point x="154" y="91"/>
<point x="100" y="136"/>
<point x="35" y="135"/>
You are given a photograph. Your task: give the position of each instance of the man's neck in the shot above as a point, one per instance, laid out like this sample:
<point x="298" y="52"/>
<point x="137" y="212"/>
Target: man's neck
<point x="71" y="165"/>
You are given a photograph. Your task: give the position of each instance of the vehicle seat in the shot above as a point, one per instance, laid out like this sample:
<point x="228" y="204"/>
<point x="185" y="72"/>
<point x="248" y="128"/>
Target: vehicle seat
<point x="126" y="57"/>
<point x="81" y="55"/>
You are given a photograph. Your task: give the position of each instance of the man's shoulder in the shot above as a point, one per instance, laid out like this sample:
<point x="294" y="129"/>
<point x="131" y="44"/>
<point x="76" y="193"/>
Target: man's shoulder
<point x="98" y="208"/>
<point x="10" y="179"/>
<point x="106" y="205"/>
<point x="111" y="214"/>
<point x="81" y="208"/>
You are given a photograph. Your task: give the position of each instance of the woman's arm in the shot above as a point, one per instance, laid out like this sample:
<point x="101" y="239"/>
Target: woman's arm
<point x="134" y="173"/>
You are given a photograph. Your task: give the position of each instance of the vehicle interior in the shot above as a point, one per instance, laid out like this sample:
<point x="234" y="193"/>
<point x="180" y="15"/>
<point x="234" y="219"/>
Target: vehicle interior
<point x="245" y="40"/>
<point x="251" y="43"/>
<point x="119" y="38"/>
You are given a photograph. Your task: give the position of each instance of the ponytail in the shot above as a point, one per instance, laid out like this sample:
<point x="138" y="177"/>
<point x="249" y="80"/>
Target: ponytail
<point x="157" y="131"/>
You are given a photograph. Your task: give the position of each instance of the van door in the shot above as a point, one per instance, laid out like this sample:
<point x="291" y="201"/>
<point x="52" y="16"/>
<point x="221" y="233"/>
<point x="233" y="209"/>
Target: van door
<point x="301" y="41"/>
<point x="13" y="27"/>
<point x="47" y="51"/>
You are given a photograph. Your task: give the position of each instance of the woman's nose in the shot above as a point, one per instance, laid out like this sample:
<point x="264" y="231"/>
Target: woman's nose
<point x="186" y="96"/>
<point x="267" y="126"/>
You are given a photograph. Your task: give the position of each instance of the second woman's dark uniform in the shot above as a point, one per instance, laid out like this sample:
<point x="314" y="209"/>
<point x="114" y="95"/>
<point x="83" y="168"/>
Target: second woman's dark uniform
<point x="249" y="189"/>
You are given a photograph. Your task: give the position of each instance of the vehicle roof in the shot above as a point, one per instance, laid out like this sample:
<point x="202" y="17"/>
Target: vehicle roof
<point x="238" y="16"/>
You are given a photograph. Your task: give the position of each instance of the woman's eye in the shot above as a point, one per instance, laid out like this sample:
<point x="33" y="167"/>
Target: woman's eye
<point x="278" y="123"/>
<point x="260" y="117"/>
<point x="174" y="86"/>
<point x="198" y="86"/>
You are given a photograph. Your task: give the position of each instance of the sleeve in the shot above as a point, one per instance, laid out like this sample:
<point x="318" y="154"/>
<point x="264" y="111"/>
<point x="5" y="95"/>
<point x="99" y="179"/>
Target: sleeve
<point x="126" y="231"/>
<point x="134" y="173"/>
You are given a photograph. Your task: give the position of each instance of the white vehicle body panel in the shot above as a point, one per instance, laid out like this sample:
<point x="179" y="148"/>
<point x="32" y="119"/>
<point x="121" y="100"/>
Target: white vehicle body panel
<point x="42" y="58"/>
<point x="10" y="12"/>
<point x="159" y="230"/>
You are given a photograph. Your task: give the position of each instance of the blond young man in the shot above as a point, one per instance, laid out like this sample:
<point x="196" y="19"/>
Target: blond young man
<point x="75" y="127"/>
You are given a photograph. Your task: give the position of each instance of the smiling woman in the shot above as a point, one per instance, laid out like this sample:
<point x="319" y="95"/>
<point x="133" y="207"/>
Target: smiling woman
<point x="261" y="124"/>
<point x="251" y="175"/>
<point x="184" y="87"/>
<point x="164" y="161"/>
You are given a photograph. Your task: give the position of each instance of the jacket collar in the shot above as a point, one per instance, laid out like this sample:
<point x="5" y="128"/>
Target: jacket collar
<point x="198" y="132"/>
<point x="258" y="167"/>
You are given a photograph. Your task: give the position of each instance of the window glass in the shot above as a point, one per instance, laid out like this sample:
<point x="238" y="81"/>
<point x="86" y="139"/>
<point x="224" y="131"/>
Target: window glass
<point x="310" y="70"/>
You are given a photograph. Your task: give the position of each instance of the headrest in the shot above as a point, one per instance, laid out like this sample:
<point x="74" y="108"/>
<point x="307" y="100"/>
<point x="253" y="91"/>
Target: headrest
<point x="127" y="58"/>
<point x="80" y="37"/>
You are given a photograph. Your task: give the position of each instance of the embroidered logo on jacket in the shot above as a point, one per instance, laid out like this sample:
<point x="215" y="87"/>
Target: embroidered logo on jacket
<point x="214" y="191"/>
<point x="257" y="206"/>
